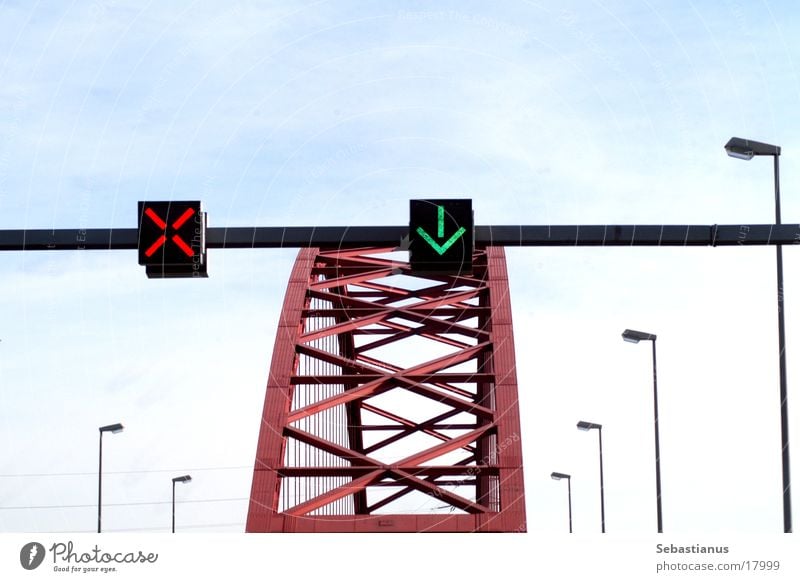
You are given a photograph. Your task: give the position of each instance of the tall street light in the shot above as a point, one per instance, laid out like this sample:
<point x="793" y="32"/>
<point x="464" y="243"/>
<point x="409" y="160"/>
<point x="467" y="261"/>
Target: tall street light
<point x="745" y="149"/>
<point x="114" y="429"/>
<point x="583" y="425"/>
<point x="559" y="477"/>
<point x="635" y="337"/>
<point x="183" y="479"/>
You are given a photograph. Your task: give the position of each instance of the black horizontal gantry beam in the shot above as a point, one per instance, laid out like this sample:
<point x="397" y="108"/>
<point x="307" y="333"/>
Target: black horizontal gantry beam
<point x="676" y="235"/>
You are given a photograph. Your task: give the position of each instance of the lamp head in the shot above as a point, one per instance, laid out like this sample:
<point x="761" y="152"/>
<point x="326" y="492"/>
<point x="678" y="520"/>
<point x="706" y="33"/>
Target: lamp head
<point x="112" y="428"/>
<point x="745" y="149"/>
<point x="559" y="476"/>
<point x="634" y="337"/>
<point x="183" y="479"/>
<point x="583" y="425"/>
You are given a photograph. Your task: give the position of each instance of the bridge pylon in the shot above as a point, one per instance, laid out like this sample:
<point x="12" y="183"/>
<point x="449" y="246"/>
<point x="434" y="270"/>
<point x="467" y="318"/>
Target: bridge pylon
<point x="391" y="404"/>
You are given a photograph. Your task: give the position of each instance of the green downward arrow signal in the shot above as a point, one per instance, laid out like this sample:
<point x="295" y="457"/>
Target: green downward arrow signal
<point x="440" y="248"/>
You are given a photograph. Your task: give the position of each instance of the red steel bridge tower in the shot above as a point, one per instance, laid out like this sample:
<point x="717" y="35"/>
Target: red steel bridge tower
<point x="391" y="404"/>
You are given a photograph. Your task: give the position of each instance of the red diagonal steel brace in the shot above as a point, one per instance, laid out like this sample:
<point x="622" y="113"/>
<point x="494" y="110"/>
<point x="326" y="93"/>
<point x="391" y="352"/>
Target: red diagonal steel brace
<point x="430" y="302"/>
<point x="404" y="332"/>
<point x="439" y="493"/>
<point x="335" y="494"/>
<point x="350" y="279"/>
<point x="343" y="327"/>
<point x="329" y="447"/>
<point x="437" y="377"/>
<point x="356" y="252"/>
<point x="410" y="427"/>
<point x="353" y="260"/>
<point x="416" y="315"/>
<point x="443" y="448"/>
<point x="337" y="360"/>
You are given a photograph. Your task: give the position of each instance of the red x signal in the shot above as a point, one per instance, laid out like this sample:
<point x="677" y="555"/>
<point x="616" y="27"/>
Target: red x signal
<point x="163" y="226"/>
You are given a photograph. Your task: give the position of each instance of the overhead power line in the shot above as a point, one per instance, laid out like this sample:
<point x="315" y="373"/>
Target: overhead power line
<point x="153" y="529"/>
<point x="126" y="504"/>
<point x="94" y="473"/>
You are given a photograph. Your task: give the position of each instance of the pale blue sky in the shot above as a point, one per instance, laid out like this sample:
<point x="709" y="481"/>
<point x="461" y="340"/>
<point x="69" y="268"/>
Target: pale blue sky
<point x="279" y="113"/>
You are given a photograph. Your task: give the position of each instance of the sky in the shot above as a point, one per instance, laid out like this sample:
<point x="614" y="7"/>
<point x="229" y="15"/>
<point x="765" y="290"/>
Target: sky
<point x="338" y="113"/>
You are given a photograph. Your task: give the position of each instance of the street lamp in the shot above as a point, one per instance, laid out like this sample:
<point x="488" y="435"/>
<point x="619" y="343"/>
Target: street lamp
<point x="745" y="149"/>
<point x="559" y="477"/>
<point x="583" y="425"/>
<point x="114" y="429"/>
<point x="635" y="337"/>
<point x="183" y="479"/>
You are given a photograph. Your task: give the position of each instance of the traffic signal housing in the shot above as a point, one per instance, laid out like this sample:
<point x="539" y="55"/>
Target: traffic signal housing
<point x="441" y="237"/>
<point x="172" y="239"/>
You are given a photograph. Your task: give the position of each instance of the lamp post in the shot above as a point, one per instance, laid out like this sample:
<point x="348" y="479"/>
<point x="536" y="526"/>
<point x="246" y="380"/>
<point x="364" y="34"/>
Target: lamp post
<point x="745" y="149"/>
<point x="635" y="337"/>
<point x="583" y="425"/>
<point x="559" y="477"/>
<point x="114" y="429"/>
<point x="183" y="479"/>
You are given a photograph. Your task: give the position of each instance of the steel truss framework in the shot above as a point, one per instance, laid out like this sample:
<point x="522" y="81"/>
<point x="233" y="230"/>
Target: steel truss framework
<point x="391" y="404"/>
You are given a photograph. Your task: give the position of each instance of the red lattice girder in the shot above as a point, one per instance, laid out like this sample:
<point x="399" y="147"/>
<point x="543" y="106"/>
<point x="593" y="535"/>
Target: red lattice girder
<point x="391" y="403"/>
